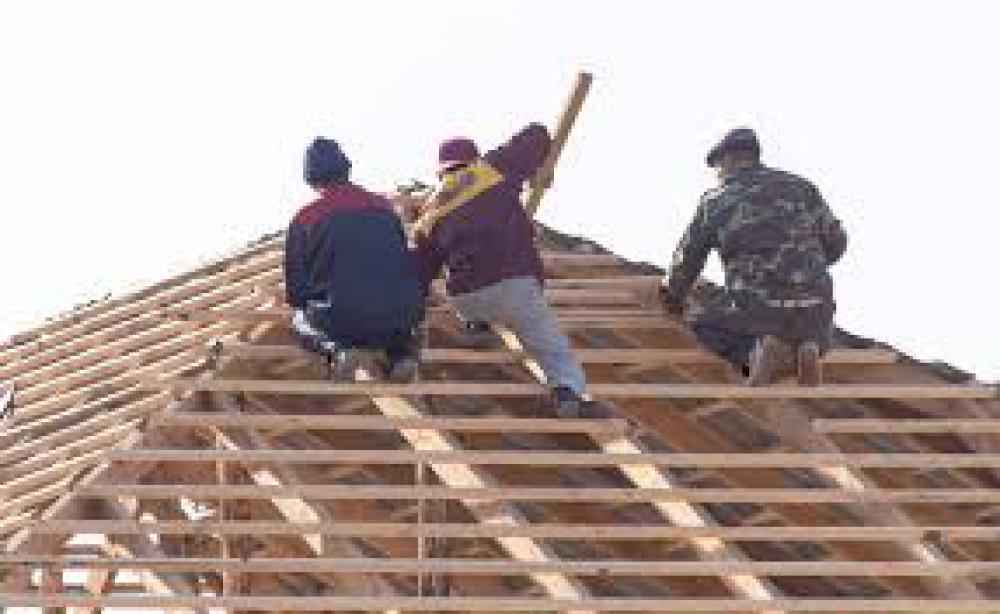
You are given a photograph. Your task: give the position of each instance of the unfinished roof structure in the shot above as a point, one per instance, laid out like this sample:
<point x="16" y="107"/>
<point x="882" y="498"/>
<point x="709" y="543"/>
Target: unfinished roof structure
<point x="174" y="450"/>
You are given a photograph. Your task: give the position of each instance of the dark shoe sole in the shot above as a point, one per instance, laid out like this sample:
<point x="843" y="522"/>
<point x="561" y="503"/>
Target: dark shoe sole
<point x="404" y="370"/>
<point x="345" y="366"/>
<point x="595" y="410"/>
<point x="569" y="409"/>
<point x="477" y="341"/>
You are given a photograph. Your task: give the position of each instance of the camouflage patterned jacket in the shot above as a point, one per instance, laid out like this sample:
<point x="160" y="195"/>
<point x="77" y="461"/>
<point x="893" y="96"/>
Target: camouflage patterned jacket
<point x="776" y="237"/>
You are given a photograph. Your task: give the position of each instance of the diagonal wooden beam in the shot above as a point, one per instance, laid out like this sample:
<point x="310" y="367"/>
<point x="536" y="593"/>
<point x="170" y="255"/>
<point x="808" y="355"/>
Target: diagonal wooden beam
<point x="296" y="510"/>
<point x="557" y="585"/>
<point x="678" y="513"/>
<point x="853" y="479"/>
<point x="794" y="429"/>
<point x="69" y="506"/>
<point x="157" y="582"/>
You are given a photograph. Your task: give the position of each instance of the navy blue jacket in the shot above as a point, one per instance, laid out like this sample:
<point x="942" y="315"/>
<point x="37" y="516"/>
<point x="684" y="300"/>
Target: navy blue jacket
<point x="348" y="247"/>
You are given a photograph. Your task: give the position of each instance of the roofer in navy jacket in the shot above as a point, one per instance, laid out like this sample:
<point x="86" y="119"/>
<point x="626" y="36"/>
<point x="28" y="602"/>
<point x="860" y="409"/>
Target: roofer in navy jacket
<point x="476" y="227"/>
<point x="349" y="277"/>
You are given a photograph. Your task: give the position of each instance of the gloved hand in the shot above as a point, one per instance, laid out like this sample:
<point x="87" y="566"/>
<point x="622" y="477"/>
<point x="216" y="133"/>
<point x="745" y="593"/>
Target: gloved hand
<point x="670" y="305"/>
<point x="310" y="338"/>
<point x="301" y="323"/>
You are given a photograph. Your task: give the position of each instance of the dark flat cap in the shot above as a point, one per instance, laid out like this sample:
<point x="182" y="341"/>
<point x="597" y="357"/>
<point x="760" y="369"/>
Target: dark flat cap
<point x="738" y="139"/>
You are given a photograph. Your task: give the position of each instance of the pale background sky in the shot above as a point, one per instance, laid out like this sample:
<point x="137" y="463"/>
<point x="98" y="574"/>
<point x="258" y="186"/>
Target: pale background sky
<point x="138" y="139"/>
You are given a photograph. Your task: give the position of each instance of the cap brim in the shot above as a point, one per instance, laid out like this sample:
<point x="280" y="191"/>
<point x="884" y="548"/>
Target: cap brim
<point x="444" y="167"/>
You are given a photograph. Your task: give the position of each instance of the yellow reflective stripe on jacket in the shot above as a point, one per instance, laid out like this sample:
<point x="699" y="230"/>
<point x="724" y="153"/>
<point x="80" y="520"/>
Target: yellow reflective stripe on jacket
<point x="457" y="188"/>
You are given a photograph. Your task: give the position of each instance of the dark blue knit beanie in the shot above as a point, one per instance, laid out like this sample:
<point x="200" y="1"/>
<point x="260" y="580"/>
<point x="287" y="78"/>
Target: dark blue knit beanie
<point x="326" y="163"/>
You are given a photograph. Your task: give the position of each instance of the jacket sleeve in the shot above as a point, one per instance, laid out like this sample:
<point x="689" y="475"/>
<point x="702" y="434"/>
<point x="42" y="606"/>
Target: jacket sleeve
<point x="831" y="231"/>
<point x="429" y="259"/>
<point x="296" y="267"/>
<point x="519" y="158"/>
<point x="691" y="253"/>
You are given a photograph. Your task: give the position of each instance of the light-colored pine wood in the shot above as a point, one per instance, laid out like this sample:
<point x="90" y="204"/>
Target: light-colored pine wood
<point x="494" y="567"/>
<point x="15" y="522"/>
<point x="101" y="393"/>
<point x="28" y="482"/>
<point x="36" y="497"/>
<point x="586" y="532"/>
<point x="681" y="513"/>
<point x="287" y="603"/>
<point x="526" y="549"/>
<point x="56" y="437"/>
<point x="663" y="391"/>
<point x="569" y="495"/>
<point x="560" y="135"/>
<point x="78" y="332"/>
<point x="387" y="423"/>
<point x="642" y="320"/>
<point x="587" y="356"/>
<point x="125" y="343"/>
<point x="565" y="459"/>
<point x="48" y="456"/>
<point x="901" y="426"/>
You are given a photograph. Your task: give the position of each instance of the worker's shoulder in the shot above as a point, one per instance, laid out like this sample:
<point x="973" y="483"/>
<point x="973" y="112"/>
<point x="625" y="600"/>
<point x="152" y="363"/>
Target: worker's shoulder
<point x="780" y="176"/>
<point x="342" y="200"/>
<point x="712" y="195"/>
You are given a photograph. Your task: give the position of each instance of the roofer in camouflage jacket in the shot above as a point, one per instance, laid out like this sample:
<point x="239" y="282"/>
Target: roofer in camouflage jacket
<point x="776" y="237"/>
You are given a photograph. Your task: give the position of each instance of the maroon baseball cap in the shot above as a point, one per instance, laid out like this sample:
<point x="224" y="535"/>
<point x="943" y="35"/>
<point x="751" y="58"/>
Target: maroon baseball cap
<point x="457" y="151"/>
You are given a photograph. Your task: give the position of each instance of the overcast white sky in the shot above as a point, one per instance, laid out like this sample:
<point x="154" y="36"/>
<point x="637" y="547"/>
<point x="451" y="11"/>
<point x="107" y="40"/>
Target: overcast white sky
<point x="139" y="138"/>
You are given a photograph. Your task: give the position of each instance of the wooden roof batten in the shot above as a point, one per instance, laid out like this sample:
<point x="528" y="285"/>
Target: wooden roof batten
<point x="311" y="495"/>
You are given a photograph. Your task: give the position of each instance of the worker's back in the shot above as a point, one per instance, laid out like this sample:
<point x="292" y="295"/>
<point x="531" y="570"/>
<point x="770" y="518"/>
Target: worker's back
<point x="776" y="236"/>
<point x="351" y="251"/>
<point x="488" y="237"/>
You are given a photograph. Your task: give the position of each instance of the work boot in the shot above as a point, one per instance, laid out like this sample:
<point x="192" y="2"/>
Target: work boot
<point x="810" y="370"/>
<point x="344" y="364"/>
<point x="478" y="335"/>
<point x="595" y="410"/>
<point x="769" y="357"/>
<point x="568" y="404"/>
<point x="403" y="370"/>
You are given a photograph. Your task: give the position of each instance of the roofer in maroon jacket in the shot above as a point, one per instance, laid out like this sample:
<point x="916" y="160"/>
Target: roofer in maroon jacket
<point x="475" y="226"/>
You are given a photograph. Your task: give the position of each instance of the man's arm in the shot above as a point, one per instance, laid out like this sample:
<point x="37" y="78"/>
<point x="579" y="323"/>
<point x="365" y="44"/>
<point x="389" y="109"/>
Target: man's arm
<point x="689" y="258"/>
<point x="296" y="267"/>
<point x="429" y="259"/>
<point x="831" y="232"/>
<point x="519" y="158"/>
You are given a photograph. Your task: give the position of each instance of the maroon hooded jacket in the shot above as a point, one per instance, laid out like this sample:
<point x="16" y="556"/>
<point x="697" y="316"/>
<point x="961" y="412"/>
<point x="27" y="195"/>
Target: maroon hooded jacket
<point x="490" y="238"/>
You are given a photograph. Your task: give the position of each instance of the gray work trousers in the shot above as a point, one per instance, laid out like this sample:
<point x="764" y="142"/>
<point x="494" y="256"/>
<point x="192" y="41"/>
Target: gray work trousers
<point x="518" y="304"/>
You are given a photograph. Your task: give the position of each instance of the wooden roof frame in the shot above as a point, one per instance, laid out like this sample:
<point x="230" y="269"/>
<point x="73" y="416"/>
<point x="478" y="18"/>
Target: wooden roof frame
<point x="106" y="375"/>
